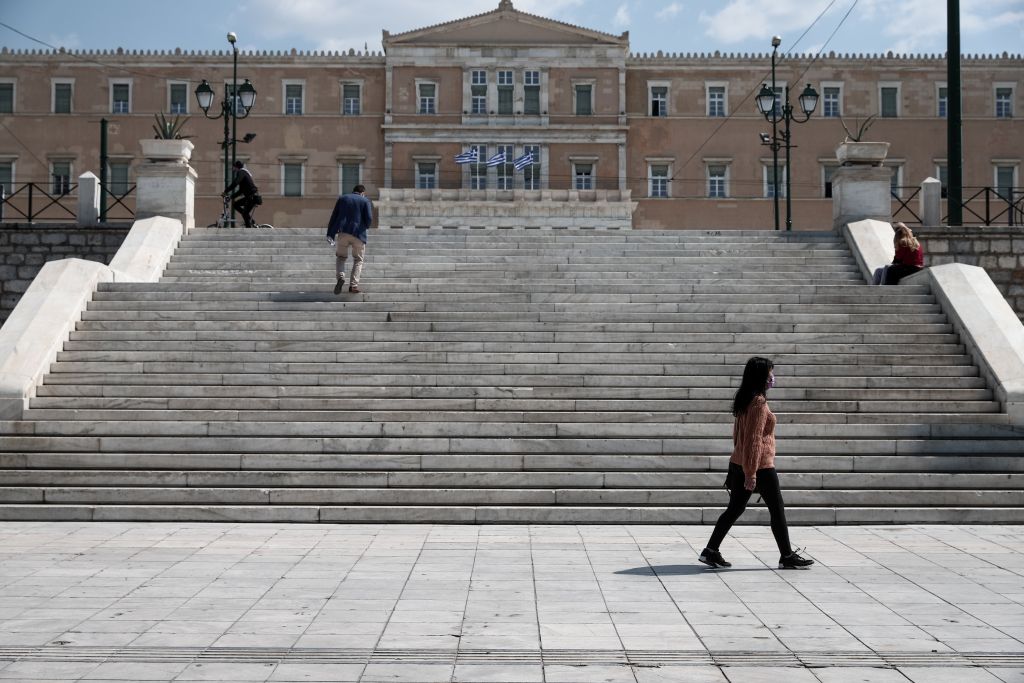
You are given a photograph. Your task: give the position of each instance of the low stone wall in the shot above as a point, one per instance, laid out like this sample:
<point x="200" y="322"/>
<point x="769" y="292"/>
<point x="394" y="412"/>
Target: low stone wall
<point x="25" y="248"/>
<point x="999" y="250"/>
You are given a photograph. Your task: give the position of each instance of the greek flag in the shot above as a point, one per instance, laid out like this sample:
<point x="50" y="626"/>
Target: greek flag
<point x="497" y="159"/>
<point x="523" y="161"/>
<point x="470" y="157"/>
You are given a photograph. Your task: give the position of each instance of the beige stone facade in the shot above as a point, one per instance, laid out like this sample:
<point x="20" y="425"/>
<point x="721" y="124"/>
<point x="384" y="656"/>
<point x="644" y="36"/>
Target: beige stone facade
<point x="611" y="130"/>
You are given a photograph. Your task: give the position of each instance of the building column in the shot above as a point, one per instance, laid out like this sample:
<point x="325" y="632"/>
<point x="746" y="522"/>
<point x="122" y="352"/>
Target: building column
<point x="622" y="167"/>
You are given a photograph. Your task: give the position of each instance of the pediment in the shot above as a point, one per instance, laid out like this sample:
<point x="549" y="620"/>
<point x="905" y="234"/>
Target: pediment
<point x="504" y="26"/>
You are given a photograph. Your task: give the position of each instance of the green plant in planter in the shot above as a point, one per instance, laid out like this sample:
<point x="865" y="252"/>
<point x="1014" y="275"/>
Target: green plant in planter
<point x="862" y="128"/>
<point x="170" y="129"/>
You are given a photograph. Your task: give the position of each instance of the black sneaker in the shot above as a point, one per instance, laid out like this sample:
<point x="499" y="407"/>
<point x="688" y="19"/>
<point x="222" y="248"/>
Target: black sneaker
<point x="340" y="284"/>
<point x="713" y="559"/>
<point x="795" y="561"/>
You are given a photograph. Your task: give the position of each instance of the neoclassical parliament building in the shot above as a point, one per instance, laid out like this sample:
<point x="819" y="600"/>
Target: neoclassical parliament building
<point x="613" y="138"/>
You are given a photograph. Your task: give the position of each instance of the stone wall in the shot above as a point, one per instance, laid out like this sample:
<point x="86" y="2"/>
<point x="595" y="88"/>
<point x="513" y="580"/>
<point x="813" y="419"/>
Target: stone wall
<point x="999" y="250"/>
<point x="24" y="248"/>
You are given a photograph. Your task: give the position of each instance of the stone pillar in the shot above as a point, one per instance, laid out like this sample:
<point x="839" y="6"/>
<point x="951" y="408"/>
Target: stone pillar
<point x="165" y="183"/>
<point x="930" y="200"/>
<point x="88" y="199"/>
<point x="861" y="192"/>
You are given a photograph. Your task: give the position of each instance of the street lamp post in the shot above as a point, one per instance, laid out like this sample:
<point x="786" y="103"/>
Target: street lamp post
<point x="767" y="104"/>
<point x="236" y="105"/>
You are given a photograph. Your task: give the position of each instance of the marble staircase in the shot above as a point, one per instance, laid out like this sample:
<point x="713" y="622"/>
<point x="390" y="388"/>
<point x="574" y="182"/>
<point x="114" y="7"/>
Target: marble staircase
<point x="507" y="376"/>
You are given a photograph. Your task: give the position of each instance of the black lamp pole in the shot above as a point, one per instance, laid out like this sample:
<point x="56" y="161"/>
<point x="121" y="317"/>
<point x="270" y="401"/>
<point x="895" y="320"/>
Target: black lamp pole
<point x="766" y="104"/>
<point x="236" y="105"/>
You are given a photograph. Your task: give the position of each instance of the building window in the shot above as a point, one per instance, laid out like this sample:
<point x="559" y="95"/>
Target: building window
<point x="769" y="185"/>
<point x="831" y="98"/>
<point x="351" y="99"/>
<point x="941" y="101"/>
<point x="827" y="172"/>
<point x="7" y="97"/>
<point x="583" y="176"/>
<point x="1006" y="181"/>
<point x="659" y="100"/>
<point x="478" y="92"/>
<point x="6" y="177"/>
<point x="889" y="101"/>
<point x="62" y="92"/>
<point x="291" y="180"/>
<point x="657" y="180"/>
<point x="717" y="186"/>
<point x="531" y="92"/>
<point x="293" y="99"/>
<point x="349" y="176"/>
<point x="478" y="171"/>
<point x="716" y="101"/>
<point x="120" y="98"/>
<point x="60" y="177"/>
<point x="177" y="98"/>
<point x="119" y="178"/>
<point x="427" y="98"/>
<point x="583" y="99"/>
<point x="426" y="175"/>
<point x="505" y="170"/>
<point x="942" y="171"/>
<point x="1004" y="103"/>
<point x="896" y="181"/>
<point x="505" y="92"/>
<point x="531" y="173"/>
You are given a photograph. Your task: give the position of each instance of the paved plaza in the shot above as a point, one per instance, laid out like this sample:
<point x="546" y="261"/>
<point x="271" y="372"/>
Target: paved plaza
<point x="431" y="603"/>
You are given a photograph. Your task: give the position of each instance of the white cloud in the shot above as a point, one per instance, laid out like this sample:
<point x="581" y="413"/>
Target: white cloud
<point x="920" y="25"/>
<point x="621" y="19"/>
<point x="669" y="11"/>
<point x="330" y="25"/>
<point x="740" y="20"/>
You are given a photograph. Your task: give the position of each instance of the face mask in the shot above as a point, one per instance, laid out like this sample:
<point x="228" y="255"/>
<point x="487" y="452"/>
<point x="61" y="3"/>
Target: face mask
<point x="771" y="381"/>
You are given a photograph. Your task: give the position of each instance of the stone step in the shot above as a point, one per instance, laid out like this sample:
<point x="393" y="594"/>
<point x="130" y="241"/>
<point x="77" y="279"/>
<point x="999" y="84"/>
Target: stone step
<point x="524" y="437"/>
<point x="817" y="516"/>
<point x="887" y="388"/>
<point x="621" y="465"/>
<point x="495" y="479"/>
<point x="487" y="411"/>
<point x="683" y="322"/>
<point x="388" y="334"/>
<point x="439" y="495"/>
<point x="495" y="376"/>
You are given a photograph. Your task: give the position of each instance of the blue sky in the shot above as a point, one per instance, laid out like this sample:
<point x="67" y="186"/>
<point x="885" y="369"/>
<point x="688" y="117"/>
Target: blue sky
<point x="873" y="26"/>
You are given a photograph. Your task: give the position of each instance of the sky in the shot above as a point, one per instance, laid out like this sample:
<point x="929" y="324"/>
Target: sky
<point x="744" y="26"/>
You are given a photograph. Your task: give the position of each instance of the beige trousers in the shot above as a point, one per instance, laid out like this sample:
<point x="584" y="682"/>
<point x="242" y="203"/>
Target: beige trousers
<point x="346" y="242"/>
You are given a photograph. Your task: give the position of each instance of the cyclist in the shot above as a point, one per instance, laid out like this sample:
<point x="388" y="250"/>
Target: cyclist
<point x="243" y="190"/>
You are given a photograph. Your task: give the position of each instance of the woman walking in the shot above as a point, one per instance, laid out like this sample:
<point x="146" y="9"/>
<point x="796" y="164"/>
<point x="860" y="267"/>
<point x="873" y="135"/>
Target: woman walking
<point x="752" y="467"/>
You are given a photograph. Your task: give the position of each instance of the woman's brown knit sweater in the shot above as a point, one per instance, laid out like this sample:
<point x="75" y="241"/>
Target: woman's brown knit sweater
<point x="753" y="438"/>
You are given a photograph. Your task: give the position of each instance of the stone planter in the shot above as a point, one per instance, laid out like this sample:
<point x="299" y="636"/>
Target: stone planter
<point x="179" y="151"/>
<point x="862" y="153"/>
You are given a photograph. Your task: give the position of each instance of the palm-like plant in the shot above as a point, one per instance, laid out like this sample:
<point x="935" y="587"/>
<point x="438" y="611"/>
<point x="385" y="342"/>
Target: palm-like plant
<point x="862" y="128"/>
<point x="168" y="129"/>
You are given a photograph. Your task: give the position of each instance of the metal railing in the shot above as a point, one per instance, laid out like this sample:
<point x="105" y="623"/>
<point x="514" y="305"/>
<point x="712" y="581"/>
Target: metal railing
<point x="33" y="202"/>
<point x="903" y="213"/>
<point x="986" y="206"/>
<point x="993" y="206"/>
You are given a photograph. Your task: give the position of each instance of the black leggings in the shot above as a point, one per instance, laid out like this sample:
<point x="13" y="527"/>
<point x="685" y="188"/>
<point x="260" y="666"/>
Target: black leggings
<point x="768" y="488"/>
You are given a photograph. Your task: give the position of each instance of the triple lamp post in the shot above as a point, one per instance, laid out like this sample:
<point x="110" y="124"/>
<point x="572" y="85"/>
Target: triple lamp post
<point x="236" y="105"/>
<point x="767" y="104"/>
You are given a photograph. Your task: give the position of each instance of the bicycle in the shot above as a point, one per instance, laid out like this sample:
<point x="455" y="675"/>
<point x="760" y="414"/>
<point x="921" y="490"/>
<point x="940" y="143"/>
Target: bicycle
<point x="226" y="221"/>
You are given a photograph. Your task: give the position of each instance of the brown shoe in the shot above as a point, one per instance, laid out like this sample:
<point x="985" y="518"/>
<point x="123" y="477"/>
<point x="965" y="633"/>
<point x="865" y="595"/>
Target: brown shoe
<point x="354" y="289"/>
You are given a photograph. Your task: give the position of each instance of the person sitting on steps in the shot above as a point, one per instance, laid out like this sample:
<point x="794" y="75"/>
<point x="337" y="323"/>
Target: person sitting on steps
<point x="908" y="260"/>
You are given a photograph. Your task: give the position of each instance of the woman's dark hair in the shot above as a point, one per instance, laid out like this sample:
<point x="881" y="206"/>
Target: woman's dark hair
<point x="754" y="383"/>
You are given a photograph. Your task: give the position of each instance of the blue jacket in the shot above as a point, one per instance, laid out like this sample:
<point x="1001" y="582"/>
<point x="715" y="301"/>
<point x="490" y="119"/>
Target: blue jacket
<point x="352" y="214"/>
